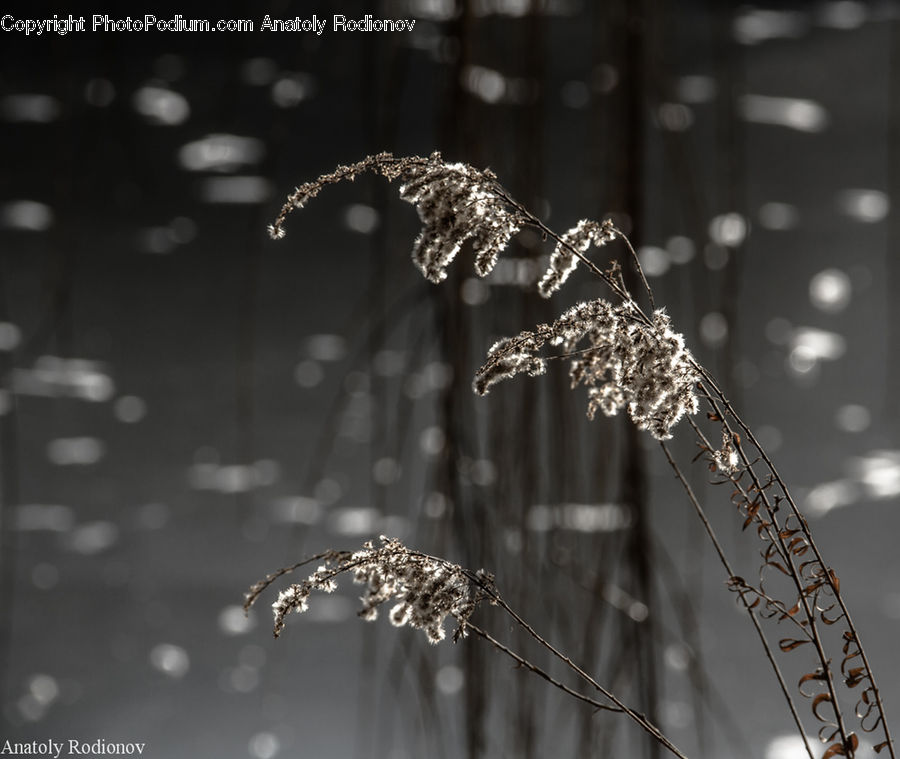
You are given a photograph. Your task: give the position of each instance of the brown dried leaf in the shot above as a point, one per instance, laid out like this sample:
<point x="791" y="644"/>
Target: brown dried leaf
<point x="797" y="540"/>
<point x="841" y="748"/>
<point x="810" y="569"/>
<point x="846" y="660"/>
<point x="817" y="702"/>
<point x="789" y="644"/>
<point x="870" y="716"/>
<point x="817" y="675"/>
<point x="849" y="640"/>
<point x="828" y="620"/>
<point x="812" y="587"/>
<point x="855" y="676"/>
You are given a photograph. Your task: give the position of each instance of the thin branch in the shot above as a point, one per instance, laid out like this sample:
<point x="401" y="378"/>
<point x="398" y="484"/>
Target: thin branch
<point x="827" y="575"/>
<point x="523" y="662"/>
<point x="637" y="265"/>
<point x="770" y="655"/>
<point x="640" y="719"/>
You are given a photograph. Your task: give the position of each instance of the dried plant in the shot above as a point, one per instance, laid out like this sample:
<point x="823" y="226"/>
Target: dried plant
<point x="633" y="361"/>
<point x="426" y="590"/>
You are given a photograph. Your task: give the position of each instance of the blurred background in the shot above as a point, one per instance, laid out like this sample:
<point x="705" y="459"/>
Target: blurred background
<point x="187" y="405"/>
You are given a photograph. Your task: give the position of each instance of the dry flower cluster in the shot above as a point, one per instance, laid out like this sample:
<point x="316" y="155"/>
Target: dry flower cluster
<point x="455" y="202"/>
<point x="627" y="364"/>
<point x="631" y="362"/>
<point x="565" y="255"/>
<point x="426" y="589"/>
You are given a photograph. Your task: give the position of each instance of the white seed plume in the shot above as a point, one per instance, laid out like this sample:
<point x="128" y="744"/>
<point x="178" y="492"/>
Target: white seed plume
<point x="627" y="363"/>
<point x="563" y="260"/>
<point x="426" y="589"/>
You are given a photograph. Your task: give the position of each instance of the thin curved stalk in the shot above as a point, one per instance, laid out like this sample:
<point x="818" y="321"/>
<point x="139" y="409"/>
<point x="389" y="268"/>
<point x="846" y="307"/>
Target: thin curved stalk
<point x="770" y="655"/>
<point x="827" y="576"/>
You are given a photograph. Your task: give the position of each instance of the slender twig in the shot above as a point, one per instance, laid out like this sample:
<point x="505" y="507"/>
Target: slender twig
<point x="770" y="655"/>
<point x="637" y="265"/>
<point x="254" y="592"/>
<point x="794" y="574"/>
<point x="523" y="662"/>
<point x="640" y="719"/>
<point x="805" y="528"/>
<point x="827" y="576"/>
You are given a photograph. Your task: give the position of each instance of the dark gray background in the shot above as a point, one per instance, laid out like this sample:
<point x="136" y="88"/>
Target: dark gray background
<point x="188" y="405"/>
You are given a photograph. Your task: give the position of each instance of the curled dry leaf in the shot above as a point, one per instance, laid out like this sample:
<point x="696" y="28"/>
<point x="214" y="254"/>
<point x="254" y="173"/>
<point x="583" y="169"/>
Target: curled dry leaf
<point x="821" y="698"/>
<point x="842" y="749"/>
<point x="817" y="676"/>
